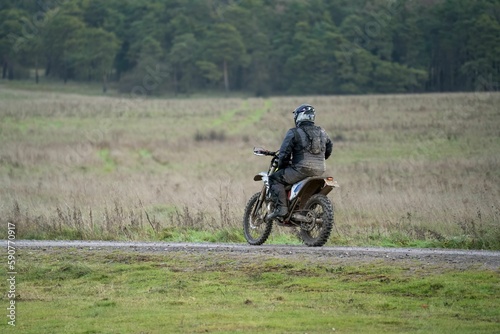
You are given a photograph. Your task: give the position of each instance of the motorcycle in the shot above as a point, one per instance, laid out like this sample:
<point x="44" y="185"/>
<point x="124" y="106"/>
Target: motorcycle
<point x="309" y="208"/>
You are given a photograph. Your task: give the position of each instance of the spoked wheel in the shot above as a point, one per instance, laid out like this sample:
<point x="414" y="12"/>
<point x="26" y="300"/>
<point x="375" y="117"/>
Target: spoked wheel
<point x="256" y="229"/>
<point x="320" y="211"/>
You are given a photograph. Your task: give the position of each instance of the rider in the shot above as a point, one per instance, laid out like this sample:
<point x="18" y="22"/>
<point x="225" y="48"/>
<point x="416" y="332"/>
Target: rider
<point x="302" y="154"/>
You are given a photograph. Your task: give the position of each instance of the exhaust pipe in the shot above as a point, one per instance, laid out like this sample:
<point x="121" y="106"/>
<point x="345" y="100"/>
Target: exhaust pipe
<point x="305" y="219"/>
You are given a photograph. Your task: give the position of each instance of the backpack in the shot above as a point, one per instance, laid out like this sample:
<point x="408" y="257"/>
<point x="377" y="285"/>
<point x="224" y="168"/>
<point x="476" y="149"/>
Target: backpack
<point x="316" y="140"/>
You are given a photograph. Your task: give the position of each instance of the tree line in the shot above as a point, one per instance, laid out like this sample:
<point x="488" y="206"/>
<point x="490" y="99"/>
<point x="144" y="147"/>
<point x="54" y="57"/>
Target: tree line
<point x="260" y="46"/>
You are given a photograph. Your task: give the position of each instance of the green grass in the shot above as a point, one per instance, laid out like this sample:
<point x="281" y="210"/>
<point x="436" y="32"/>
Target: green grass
<point x="48" y="85"/>
<point x="82" y="291"/>
<point x="108" y="163"/>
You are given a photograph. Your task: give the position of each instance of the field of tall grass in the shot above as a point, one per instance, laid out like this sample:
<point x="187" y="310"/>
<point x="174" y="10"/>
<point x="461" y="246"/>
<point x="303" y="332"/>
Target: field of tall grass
<point x="414" y="170"/>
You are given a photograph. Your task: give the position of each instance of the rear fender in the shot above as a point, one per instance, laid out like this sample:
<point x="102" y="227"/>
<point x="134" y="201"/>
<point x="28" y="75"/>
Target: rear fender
<point x="311" y="186"/>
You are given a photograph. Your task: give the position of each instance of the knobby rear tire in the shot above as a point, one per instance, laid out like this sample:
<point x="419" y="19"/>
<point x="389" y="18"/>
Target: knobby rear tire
<point x="323" y="208"/>
<point x="255" y="233"/>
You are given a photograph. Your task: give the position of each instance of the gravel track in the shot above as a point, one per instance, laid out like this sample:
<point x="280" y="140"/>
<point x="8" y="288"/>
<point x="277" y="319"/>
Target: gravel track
<point x="439" y="258"/>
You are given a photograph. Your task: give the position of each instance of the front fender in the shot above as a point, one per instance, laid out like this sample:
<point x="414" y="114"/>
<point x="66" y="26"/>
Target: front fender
<point x="262" y="176"/>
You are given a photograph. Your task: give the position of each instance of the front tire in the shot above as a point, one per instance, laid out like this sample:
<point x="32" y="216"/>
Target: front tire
<point x="255" y="227"/>
<point x="320" y="207"/>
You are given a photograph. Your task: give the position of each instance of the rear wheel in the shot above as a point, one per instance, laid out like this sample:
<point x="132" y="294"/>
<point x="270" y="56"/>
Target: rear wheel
<point x="320" y="209"/>
<point x="255" y="227"/>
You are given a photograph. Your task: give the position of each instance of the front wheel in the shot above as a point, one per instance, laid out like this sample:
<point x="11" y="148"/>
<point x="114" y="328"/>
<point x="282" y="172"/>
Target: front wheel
<point x="255" y="227"/>
<point x="320" y="209"/>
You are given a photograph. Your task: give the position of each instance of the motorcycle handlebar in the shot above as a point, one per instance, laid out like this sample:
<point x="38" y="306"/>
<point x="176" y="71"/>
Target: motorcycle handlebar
<point x="265" y="152"/>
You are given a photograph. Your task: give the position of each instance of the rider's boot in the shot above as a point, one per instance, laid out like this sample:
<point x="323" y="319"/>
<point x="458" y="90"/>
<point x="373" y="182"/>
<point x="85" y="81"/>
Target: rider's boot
<point x="280" y="210"/>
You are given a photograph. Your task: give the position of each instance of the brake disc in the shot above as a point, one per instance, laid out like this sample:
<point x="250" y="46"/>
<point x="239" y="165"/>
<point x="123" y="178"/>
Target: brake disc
<point x="309" y="225"/>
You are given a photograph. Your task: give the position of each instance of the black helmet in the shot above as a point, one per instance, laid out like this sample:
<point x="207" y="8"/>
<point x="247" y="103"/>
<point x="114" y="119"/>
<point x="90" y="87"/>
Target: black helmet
<point x="304" y="112"/>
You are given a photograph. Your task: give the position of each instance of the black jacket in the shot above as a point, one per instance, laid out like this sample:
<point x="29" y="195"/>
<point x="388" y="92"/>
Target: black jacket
<point x="296" y="148"/>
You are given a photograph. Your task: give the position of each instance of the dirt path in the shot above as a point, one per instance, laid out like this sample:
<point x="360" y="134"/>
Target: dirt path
<point x="439" y="258"/>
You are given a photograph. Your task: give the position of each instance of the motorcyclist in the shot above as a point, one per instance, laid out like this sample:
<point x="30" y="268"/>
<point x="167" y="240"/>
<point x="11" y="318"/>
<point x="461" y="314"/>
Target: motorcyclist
<point x="302" y="154"/>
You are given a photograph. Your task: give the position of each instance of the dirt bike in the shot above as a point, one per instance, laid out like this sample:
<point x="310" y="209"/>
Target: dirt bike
<point x="309" y="208"/>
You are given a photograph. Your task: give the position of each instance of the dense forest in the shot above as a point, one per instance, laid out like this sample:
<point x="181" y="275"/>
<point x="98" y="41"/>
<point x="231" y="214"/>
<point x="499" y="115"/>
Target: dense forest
<point x="263" y="47"/>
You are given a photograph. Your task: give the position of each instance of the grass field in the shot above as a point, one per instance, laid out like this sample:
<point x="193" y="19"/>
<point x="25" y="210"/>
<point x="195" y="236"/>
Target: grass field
<point x="414" y="170"/>
<point x="109" y="291"/>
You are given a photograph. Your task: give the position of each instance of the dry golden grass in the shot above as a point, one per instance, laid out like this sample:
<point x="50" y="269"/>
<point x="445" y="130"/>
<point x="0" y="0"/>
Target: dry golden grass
<point x="411" y="167"/>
